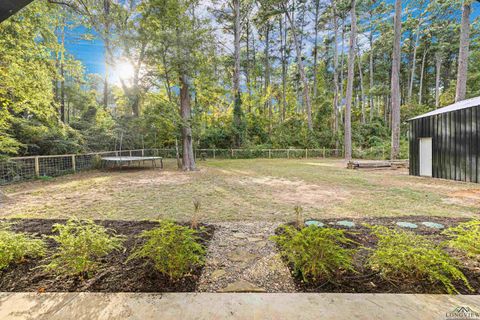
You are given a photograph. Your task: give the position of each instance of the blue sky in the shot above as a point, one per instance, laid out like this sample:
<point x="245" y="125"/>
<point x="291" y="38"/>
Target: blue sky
<point x="91" y="52"/>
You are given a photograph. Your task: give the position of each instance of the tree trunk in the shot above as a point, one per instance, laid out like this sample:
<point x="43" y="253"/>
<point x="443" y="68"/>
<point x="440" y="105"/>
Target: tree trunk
<point x="371" y="70"/>
<point x="422" y="72"/>
<point x="237" y="114"/>
<point x="335" y="77"/>
<point x="463" y="53"/>
<point x="315" y="51"/>
<point x="438" y="68"/>
<point x="395" y="93"/>
<point x="267" y="71"/>
<point x="247" y="67"/>
<point x="414" y="60"/>
<point x="62" y="74"/>
<point x="342" y="62"/>
<point x="106" y="12"/>
<point x="301" y="69"/>
<point x="350" y="76"/>
<point x="283" y="40"/>
<point x="186" y="114"/>
<point x="362" y="90"/>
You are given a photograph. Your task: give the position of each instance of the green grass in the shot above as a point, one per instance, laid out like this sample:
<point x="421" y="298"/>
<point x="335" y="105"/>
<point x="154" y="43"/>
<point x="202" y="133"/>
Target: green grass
<point x="254" y="189"/>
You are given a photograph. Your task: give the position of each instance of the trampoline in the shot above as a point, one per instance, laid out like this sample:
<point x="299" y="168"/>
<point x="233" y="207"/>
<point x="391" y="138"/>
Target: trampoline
<point x="129" y="161"/>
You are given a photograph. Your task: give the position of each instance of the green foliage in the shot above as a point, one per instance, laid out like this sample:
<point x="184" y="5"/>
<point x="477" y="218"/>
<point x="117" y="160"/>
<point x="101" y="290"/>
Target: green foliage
<point x="15" y="247"/>
<point x="405" y="256"/>
<point x="80" y="245"/>
<point x="465" y="237"/>
<point x="316" y="253"/>
<point x="175" y="250"/>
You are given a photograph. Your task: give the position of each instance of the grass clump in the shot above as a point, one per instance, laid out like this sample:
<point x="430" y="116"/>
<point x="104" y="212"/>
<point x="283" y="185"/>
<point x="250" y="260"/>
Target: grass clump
<point x="465" y="237"/>
<point x="80" y="245"/>
<point x="16" y="247"/>
<point x="174" y="249"/>
<point x="403" y="256"/>
<point x="316" y="253"/>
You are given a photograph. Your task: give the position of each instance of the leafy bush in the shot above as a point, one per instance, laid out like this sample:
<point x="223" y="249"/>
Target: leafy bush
<point x="405" y="256"/>
<point x="316" y="252"/>
<point x="15" y="247"/>
<point x="81" y="244"/>
<point x="174" y="249"/>
<point x="465" y="237"/>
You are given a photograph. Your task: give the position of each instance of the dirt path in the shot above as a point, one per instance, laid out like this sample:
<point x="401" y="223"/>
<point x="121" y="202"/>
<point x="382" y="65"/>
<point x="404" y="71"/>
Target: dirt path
<point x="241" y="258"/>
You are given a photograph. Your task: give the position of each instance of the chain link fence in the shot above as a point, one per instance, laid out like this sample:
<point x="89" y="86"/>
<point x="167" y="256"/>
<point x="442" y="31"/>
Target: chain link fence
<point x="26" y="168"/>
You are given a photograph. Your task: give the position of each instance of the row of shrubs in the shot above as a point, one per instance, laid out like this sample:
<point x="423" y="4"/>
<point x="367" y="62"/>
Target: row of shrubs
<point x="175" y="250"/>
<point x="324" y="254"/>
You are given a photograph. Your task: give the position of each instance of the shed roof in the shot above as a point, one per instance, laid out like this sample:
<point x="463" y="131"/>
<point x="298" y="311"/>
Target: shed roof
<point x="473" y="102"/>
<point x="9" y="7"/>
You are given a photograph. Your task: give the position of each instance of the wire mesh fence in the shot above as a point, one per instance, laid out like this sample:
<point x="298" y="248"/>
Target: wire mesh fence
<point x="26" y="168"/>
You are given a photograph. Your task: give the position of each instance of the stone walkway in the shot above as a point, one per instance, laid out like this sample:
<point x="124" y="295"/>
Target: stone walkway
<point x="241" y="258"/>
<point x="212" y="306"/>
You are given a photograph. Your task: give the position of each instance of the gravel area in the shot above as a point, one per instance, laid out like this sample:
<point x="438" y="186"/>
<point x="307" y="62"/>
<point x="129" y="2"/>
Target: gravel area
<point x="241" y="258"/>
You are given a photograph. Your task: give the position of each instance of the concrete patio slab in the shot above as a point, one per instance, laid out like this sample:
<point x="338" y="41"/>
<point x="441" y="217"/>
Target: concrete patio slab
<point x="146" y="306"/>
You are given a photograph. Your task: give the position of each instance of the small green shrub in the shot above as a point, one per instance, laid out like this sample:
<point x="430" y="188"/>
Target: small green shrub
<point x="174" y="249"/>
<point x="405" y="256"/>
<point x="314" y="252"/>
<point x="80" y="244"/>
<point x="465" y="237"/>
<point x="15" y="247"/>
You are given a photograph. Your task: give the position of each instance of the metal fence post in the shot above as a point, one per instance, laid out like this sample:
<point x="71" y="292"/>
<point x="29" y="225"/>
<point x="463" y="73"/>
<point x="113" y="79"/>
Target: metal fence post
<point x="130" y="152"/>
<point x="37" y="167"/>
<point x="306" y="153"/>
<point x="269" y="153"/>
<point x="288" y="153"/>
<point x="324" y="152"/>
<point x="213" y="153"/>
<point x="74" y="164"/>
<point x="143" y="152"/>
<point x="232" y="153"/>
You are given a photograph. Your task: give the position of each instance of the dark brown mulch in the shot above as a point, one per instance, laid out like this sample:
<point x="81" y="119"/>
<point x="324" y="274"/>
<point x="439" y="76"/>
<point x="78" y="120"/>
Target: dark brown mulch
<point x="366" y="280"/>
<point x="114" y="276"/>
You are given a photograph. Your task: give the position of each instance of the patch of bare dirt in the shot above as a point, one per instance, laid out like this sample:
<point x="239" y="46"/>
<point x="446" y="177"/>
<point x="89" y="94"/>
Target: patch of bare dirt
<point x="465" y="197"/>
<point x="297" y="191"/>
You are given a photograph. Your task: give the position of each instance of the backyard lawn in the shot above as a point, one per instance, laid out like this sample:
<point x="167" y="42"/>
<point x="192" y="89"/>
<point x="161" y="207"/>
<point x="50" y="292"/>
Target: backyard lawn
<point x="241" y="190"/>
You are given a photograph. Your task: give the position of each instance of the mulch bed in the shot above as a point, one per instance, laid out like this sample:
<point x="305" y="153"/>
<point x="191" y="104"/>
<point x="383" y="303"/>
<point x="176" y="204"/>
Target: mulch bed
<point x="368" y="281"/>
<point x="114" y="276"/>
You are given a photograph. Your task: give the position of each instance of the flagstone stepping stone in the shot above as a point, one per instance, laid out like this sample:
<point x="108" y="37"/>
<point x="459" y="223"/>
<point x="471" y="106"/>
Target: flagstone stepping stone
<point x="346" y="223"/>
<point x="241" y="286"/>
<point x="241" y="256"/>
<point x="408" y="225"/>
<point x="315" y="223"/>
<point x="433" y="225"/>
<point x="217" y="274"/>
<point x="254" y="239"/>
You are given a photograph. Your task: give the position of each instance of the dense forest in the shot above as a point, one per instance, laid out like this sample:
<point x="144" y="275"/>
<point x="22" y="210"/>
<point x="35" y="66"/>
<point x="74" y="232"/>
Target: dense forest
<point x="232" y="74"/>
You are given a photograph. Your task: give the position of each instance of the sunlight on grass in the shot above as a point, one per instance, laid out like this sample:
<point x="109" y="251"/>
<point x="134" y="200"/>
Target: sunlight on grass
<point x="239" y="190"/>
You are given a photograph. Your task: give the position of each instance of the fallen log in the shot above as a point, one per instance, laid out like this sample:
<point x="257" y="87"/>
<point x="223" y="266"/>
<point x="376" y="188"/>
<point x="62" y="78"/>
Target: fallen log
<point x="395" y="164"/>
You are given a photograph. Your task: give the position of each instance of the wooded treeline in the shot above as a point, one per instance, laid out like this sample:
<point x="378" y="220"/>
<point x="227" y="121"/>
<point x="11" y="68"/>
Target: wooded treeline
<point x="237" y="73"/>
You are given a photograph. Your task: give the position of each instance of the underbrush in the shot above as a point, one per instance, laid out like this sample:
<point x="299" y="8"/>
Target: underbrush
<point x="466" y="238"/>
<point x="175" y="250"/>
<point x="403" y="256"/>
<point x="316" y="253"/>
<point x="81" y="244"/>
<point x="16" y="247"/>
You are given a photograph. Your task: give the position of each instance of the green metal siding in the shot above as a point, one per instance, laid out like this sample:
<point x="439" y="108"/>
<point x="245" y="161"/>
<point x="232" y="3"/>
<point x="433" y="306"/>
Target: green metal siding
<point x="455" y="143"/>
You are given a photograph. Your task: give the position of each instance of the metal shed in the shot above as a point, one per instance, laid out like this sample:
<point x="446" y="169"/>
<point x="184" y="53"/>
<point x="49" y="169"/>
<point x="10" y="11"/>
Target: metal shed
<point x="10" y="7"/>
<point x="444" y="143"/>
